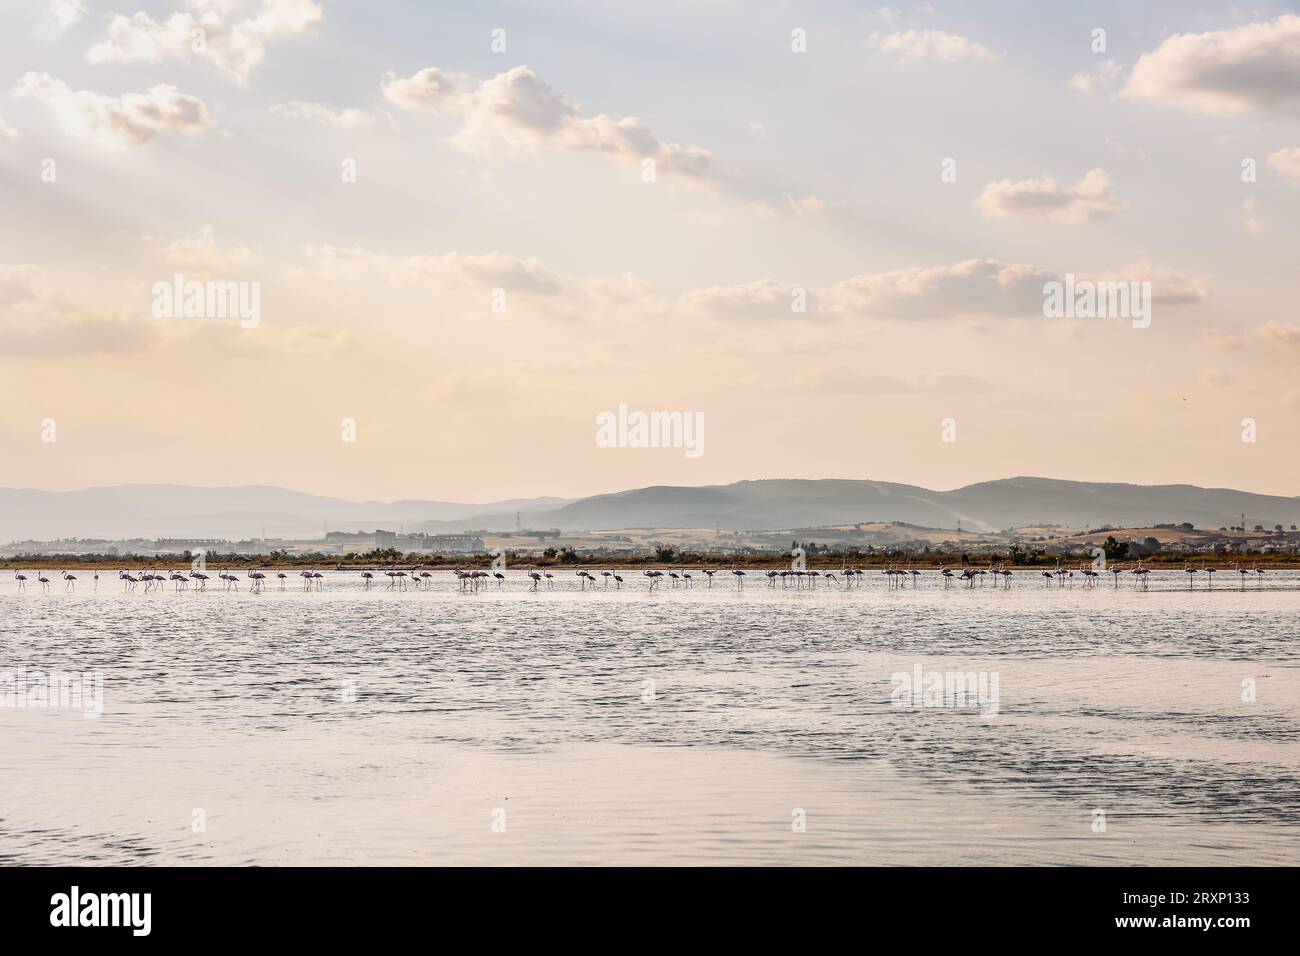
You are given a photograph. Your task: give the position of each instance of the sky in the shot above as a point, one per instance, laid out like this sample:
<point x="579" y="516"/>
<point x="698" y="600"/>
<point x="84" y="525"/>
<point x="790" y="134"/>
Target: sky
<point x="824" y="230"/>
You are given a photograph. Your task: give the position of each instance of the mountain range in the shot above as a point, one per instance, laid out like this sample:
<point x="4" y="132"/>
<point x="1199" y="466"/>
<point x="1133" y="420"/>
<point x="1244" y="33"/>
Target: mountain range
<point x="251" y="511"/>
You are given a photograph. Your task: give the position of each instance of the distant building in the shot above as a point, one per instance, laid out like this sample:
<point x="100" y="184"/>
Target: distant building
<point x="429" y="543"/>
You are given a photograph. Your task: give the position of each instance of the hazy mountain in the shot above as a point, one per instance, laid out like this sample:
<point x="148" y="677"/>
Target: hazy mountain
<point x="990" y="505"/>
<point x="176" y="511"/>
<point x="181" y="511"/>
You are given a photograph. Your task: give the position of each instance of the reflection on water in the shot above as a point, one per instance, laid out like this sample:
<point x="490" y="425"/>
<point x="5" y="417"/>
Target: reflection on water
<point x="698" y="726"/>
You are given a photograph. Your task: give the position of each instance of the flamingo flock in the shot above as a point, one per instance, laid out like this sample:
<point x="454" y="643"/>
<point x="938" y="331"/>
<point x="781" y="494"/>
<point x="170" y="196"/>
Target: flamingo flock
<point x="473" y="580"/>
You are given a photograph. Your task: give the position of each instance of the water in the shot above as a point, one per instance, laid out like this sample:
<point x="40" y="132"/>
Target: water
<point x="668" y="726"/>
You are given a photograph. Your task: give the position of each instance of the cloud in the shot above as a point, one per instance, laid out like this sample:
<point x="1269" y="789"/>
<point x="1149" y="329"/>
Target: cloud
<point x="912" y="46"/>
<point x="851" y="381"/>
<point x="35" y="320"/>
<point x="1090" y="198"/>
<point x="1101" y="77"/>
<point x="520" y="111"/>
<point x="78" y="333"/>
<point x="1252" y="222"/>
<point x="8" y="132"/>
<point x="1224" y="72"/>
<point x="66" y="12"/>
<point x="320" y="113"/>
<point x="809" y="207"/>
<point x="133" y="118"/>
<point x="200" y="251"/>
<point x="233" y="34"/>
<point x="18" y="283"/>
<point x="1169" y="287"/>
<point x="1270" y="334"/>
<point x="766" y="298"/>
<point x="973" y="288"/>
<point x="1287" y="163"/>
<point x="487" y="271"/>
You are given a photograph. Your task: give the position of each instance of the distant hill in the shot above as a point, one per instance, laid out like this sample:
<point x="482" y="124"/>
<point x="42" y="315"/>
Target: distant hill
<point x="242" y="512"/>
<point x="988" y="506"/>
<point x="175" y="511"/>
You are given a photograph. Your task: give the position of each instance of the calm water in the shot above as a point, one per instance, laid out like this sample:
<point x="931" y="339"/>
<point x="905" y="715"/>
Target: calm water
<point x="674" y="726"/>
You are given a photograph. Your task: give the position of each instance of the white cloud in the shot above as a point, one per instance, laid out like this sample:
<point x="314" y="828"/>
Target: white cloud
<point x="519" y="110"/>
<point x="1251" y="221"/>
<point x="233" y="34"/>
<point x="1090" y="198"/>
<point x="975" y="287"/>
<point x="66" y="12"/>
<point x="1101" y="77"/>
<point x="487" y="271"/>
<point x="18" y="283"/>
<point x="8" y="132"/>
<point x="911" y="46"/>
<point x="1286" y="162"/>
<point x="852" y="381"/>
<point x="1224" y="72"/>
<point x="133" y="118"/>
<point x="1169" y="287"/>
<point x="972" y="287"/>
<point x="809" y="207"/>
<point x="766" y="298"/>
<point x="200" y="251"/>
<point x="348" y="118"/>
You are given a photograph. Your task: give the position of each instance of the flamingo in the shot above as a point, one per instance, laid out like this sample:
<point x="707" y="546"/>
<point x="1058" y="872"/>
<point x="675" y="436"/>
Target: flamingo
<point x="651" y="576"/>
<point x="1115" y="573"/>
<point x="618" y="582"/>
<point x="45" y="582"/>
<point x="1189" y="571"/>
<point x="1047" y="578"/>
<point x="606" y="576"/>
<point x="283" y="578"/>
<point x="710" y="574"/>
<point x="947" y="576"/>
<point x="550" y="579"/>
<point x="71" y="584"/>
<point x="740" y="578"/>
<point x="201" y="578"/>
<point x="257" y="577"/>
<point x="1209" y="574"/>
<point x="1259" y="577"/>
<point x="129" y="581"/>
<point x="537" y="579"/>
<point x="22" y="581"/>
<point x="1243" y="572"/>
<point x="686" y="576"/>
